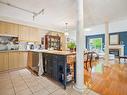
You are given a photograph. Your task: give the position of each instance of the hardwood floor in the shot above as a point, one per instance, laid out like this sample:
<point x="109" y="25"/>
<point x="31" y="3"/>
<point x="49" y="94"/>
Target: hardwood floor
<point x="108" y="79"/>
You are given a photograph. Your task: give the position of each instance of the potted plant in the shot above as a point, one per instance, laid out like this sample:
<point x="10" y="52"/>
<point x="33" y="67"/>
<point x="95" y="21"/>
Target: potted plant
<point x="71" y="46"/>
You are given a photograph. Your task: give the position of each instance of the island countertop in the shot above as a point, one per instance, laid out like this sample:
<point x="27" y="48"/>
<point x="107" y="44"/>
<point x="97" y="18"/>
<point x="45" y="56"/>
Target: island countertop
<point x="55" y="52"/>
<point x="60" y="52"/>
<point x="43" y="51"/>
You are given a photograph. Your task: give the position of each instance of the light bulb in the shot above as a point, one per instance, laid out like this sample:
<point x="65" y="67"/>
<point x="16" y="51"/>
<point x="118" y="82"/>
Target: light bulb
<point x="66" y="33"/>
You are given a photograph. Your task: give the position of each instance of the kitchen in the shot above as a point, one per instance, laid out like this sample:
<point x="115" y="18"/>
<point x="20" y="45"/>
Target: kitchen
<point x="20" y="46"/>
<point x="63" y="47"/>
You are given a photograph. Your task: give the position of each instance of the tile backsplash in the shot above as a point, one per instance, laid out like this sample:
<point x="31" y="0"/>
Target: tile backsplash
<point x="8" y="43"/>
<point x="12" y="43"/>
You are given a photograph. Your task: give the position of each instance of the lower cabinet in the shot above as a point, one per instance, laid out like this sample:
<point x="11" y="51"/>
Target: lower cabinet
<point x="12" y="60"/>
<point x="54" y="66"/>
<point x="22" y="59"/>
<point x="33" y="60"/>
<point x="17" y="60"/>
<point x="3" y="61"/>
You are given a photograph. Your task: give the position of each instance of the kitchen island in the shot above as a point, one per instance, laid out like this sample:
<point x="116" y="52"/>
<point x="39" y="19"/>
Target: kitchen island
<point x="59" y="65"/>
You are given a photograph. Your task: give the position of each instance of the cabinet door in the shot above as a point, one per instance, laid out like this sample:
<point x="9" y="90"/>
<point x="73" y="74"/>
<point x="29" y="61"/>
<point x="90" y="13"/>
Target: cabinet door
<point x="31" y="34"/>
<point x="14" y="29"/>
<point x="49" y="65"/>
<point x="3" y="61"/>
<point x="34" y="34"/>
<point x="7" y="28"/>
<point x="3" y="28"/>
<point x="23" y="33"/>
<point x="13" y="60"/>
<point x="29" y="62"/>
<point x="35" y="59"/>
<point x="54" y="62"/>
<point x="23" y="59"/>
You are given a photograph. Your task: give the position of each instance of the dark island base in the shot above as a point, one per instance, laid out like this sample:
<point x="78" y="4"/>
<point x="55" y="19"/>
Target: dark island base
<point x="57" y="67"/>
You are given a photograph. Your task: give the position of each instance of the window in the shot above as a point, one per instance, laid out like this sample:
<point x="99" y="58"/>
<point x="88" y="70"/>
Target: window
<point x="95" y="43"/>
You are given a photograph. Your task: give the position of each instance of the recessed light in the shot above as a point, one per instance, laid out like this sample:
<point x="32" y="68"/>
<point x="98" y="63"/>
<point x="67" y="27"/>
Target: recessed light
<point x="87" y="29"/>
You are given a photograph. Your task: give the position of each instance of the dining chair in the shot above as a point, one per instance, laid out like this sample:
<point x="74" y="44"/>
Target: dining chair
<point x="88" y="60"/>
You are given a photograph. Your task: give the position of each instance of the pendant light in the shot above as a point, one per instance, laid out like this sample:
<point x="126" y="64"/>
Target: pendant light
<point x="66" y="30"/>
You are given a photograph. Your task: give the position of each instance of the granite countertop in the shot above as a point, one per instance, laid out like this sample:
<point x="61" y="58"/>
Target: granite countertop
<point x="43" y="51"/>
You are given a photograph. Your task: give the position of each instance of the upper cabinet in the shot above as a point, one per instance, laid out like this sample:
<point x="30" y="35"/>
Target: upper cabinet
<point x="34" y="35"/>
<point x="15" y="30"/>
<point x="25" y="33"/>
<point x="3" y="28"/>
<point x="9" y="29"/>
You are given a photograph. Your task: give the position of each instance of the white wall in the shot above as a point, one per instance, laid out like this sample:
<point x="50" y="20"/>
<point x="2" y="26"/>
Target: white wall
<point x="118" y="26"/>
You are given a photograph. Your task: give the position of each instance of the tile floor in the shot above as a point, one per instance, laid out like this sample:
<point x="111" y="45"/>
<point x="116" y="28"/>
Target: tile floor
<point x="23" y="82"/>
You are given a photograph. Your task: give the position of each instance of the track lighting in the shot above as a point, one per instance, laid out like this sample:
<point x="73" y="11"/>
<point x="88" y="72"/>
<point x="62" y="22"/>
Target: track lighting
<point x="35" y="14"/>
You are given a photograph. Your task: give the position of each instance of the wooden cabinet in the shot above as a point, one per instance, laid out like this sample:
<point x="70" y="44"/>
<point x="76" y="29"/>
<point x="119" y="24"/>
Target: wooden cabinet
<point x="34" y="35"/>
<point x="37" y="35"/>
<point x="22" y="59"/>
<point x="13" y="60"/>
<point x="27" y="33"/>
<point x="3" y="61"/>
<point x="17" y="60"/>
<point x="9" y="29"/>
<point x="33" y="59"/>
<point x="13" y="29"/>
<point x="29" y="62"/>
<point x="24" y="33"/>
<point x="52" y="42"/>
<point x="3" y="29"/>
<point x="56" y="66"/>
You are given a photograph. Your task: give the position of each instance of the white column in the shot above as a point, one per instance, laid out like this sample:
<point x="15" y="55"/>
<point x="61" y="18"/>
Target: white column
<point x="84" y="41"/>
<point x="106" y="41"/>
<point x="79" y="48"/>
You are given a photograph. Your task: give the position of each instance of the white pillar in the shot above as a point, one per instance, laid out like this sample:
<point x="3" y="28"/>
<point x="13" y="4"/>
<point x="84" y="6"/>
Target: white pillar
<point x="84" y="41"/>
<point x="106" y="41"/>
<point x="79" y="48"/>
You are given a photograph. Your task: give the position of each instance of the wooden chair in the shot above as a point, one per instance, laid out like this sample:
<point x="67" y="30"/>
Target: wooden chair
<point x="88" y="60"/>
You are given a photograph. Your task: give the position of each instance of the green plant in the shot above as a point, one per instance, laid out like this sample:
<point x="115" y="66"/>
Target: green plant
<point x="71" y="45"/>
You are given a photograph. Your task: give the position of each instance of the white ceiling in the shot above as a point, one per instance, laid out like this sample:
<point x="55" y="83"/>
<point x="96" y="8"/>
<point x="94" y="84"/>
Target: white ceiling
<point x="58" y="12"/>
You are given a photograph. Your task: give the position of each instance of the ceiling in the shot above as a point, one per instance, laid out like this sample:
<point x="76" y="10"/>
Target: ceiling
<point x="58" y="12"/>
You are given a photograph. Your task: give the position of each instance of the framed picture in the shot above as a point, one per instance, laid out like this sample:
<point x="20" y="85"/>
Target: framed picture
<point x="114" y="39"/>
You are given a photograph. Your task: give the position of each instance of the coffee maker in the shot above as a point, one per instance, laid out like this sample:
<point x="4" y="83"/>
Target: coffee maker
<point x="30" y="46"/>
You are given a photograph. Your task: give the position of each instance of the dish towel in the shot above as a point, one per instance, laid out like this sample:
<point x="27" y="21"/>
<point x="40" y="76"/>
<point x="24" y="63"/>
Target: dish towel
<point x="40" y="65"/>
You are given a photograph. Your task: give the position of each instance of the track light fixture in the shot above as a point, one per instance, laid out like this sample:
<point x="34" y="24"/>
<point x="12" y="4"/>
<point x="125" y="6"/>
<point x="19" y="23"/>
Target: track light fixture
<point x="35" y="14"/>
